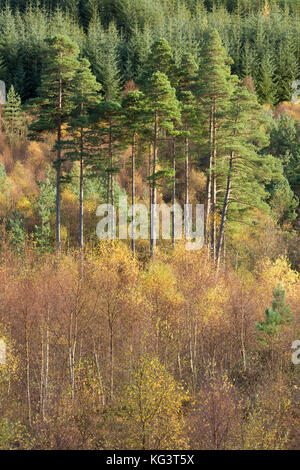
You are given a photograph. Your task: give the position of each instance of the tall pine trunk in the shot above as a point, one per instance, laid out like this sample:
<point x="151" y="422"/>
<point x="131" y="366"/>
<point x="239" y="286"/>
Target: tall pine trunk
<point x="186" y="199"/>
<point x="208" y="185"/>
<point x="154" y="193"/>
<point x="224" y="211"/>
<point x="133" y="196"/>
<point x="58" y="171"/>
<point x="214" y="186"/>
<point x="81" y="193"/>
<point x="111" y="183"/>
<point x="173" y="193"/>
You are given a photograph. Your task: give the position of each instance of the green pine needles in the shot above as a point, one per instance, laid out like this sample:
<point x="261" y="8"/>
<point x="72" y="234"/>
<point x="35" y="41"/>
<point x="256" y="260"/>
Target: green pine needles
<point x="276" y="316"/>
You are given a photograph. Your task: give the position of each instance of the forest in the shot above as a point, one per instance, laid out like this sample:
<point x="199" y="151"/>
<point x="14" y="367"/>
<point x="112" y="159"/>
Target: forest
<point x="139" y="343"/>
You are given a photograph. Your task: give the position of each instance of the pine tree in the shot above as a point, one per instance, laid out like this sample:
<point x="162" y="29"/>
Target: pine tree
<point x="84" y="143"/>
<point x="54" y="105"/>
<point x="163" y="109"/>
<point x="245" y="170"/>
<point x="109" y="130"/>
<point x="276" y="316"/>
<point x="189" y="111"/>
<point x="160" y="60"/>
<point x="213" y="90"/>
<point x="135" y="120"/>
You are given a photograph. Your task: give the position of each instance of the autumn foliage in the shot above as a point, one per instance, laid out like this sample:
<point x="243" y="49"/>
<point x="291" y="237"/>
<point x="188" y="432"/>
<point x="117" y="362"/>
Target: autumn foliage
<point x="113" y="354"/>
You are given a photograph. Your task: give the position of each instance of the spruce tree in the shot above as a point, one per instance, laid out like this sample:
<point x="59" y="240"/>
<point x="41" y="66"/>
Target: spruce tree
<point x="286" y="70"/>
<point x="102" y="50"/>
<point x="14" y="119"/>
<point x="266" y="87"/>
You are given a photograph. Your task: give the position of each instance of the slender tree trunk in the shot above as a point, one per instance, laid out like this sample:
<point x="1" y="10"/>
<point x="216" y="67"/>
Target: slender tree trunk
<point x="111" y="354"/>
<point x="58" y="213"/>
<point x="214" y="186"/>
<point x="186" y="199"/>
<point x="46" y="375"/>
<point x="154" y="193"/>
<point x="133" y="196"/>
<point x="44" y="364"/>
<point x="224" y="211"/>
<point x="108" y="196"/>
<point x="42" y="373"/>
<point x="58" y="172"/>
<point x="99" y="374"/>
<point x="81" y="177"/>
<point x="72" y="349"/>
<point x="186" y="177"/>
<point x="173" y="193"/>
<point x="150" y="188"/>
<point x="208" y="185"/>
<point x="111" y="183"/>
<point x="28" y="373"/>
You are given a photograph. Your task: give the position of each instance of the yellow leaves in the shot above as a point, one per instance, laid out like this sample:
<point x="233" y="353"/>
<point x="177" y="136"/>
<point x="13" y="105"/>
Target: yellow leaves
<point x="64" y="234"/>
<point x="160" y="281"/>
<point x="212" y="303"/>
<point x="24" y="206"/>
<point x="35" y="157"/>
<point x="23" y="179"/>
<point x="280" y="272"/>
<point x="68" y="198"/>
<point x="266" y="10"/>
<point x="153" y="403"/>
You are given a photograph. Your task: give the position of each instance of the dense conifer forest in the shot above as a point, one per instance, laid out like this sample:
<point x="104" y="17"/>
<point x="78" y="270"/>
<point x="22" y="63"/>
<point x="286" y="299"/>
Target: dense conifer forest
<point x="139" y="342"/>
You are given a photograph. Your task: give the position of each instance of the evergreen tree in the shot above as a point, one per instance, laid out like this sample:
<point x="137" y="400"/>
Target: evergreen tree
<point x="266" y="80"/>
<point x="160" y="60"/>
<point x="102" y="50"/>
<point x="214" y="89"/>
<point x="285" y="145"/>
<point x="276" y="316"/>
<point x="246" y="171"/>
<point x="189" y="112"/>
<point x="286" y="70"/>
<point x="163" y="109"/>
<point x="54" y="105"/>
<point x="84" y="142"/>
<point x="135" y="120"/>
<point x="16" y="228"/>
<point x="109" y="129"/>
<point x="45" y="205"/>
<point x="14" y="119"/>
